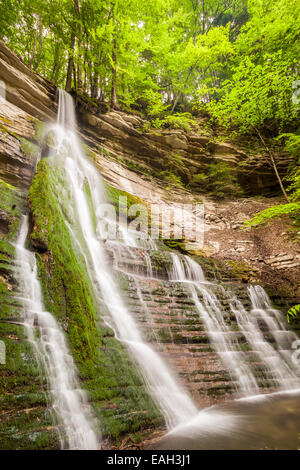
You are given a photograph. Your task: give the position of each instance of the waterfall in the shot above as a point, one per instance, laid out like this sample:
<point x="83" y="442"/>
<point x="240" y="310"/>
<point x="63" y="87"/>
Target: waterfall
<point x="175" y="404"/>
<point x="87" y="219"/>
<point x="76" y="425"/>
<point x="274" y="359"/>
<point x="210" y="310"/>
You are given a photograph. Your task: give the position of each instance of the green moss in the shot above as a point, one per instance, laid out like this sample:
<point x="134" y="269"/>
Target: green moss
<point x="31" y="150"/>
<point x="114" y="194"/>
<point x="106" y="370"/>
<point x="239" y="269"/>
<point x="40" y="130"/>
<point x="11" y="203"/>
<point x="175" y="245"/>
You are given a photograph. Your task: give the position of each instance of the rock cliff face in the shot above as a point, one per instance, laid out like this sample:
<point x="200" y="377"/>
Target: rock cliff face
<point x="153" y="151"/>
<point x="17" y="151"/>
<point x="25" y="89"/>
<point x="131" y="159"/>
<point x="125" y="136"/>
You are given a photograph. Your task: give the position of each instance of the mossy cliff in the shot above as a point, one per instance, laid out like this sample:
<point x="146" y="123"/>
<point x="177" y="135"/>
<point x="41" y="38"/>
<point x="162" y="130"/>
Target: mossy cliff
<point x="25" y="420"/>
<point x="117" y="392"/>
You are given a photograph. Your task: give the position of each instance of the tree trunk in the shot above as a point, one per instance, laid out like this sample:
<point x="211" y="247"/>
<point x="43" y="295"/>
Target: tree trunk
<point x="79" y="42"/>
<point x="176" y="101"/>
<point x="56" y="62"/>
<point x="75" y="77"/>
<point x="79" y="68"/>
<point x="95" y="89"/>
<point x="273" y="162"/>
<point x="85" y="79"/>
<point x="180" y="91"/>
<point x="114" y="98"/>
<point x="95" y="81"/>
<point x="33" y="49"/>
<point x="39" y="54"/>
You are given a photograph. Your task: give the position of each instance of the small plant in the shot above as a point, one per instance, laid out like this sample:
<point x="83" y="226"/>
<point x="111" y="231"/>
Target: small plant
<point x="178" y="121"/>
<point x="104" y="151"/>
<point x="171" y="178"/>
<point x="293" y="313"/>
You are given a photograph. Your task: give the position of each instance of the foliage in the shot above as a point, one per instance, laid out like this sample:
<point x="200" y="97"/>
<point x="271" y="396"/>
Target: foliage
<point x="275" y="212"/>
<point x="293" y="313"/>
<point x="178" y="121"/>
<point x="292" y="143"/>
<point x="152" y="54"/>
<point x="292" y="146"/>
<point x="171" y="178"/>
<point x="237" y="60"/>
<point x="163" y="56"/>
<point x="260" y="87"/>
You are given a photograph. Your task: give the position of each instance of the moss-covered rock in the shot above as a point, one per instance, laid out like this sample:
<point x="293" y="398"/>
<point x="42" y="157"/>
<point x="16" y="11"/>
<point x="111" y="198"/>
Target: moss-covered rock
<point x="117" y="392"/>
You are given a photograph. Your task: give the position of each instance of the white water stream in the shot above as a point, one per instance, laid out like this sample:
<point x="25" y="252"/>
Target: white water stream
<point x="76" y="426"/>
<point x="274" y="358"/>
<point x="175" y="404"/>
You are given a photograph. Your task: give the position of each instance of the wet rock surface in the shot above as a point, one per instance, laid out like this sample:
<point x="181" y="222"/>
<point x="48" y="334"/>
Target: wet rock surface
<point x="153" y="151"/>
<point x="25" y="89"/>
<point x="270" y="423"/>
<point x="171" y="323"/>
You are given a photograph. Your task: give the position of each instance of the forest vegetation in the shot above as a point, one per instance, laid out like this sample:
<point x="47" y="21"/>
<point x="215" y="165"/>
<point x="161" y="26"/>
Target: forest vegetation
<point x="234" y="61"/>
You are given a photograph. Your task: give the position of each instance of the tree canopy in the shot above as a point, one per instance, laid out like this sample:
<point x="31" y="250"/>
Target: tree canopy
<point x="237" y="60"/>
<point x="165" y="54"/>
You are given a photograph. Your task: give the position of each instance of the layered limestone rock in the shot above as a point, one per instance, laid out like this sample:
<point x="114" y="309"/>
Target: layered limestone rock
<point x="186" y="154"/>
<point x="266" y="254"/>
<point x="17" y="148"/>
<point x="127" y="137"/>
<point x="170" y="321"/>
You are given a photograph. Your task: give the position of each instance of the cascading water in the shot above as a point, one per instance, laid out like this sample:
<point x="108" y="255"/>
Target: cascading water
<point x="170" y="397"/>
<point x="210" y="310"/>
<point x="275" y="359"/>
<point x="77" y="429"/>
<point x="88" y="218"/>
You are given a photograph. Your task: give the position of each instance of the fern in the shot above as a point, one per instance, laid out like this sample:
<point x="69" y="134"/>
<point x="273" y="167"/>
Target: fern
<point x="275" y="212"/>
<point x="293" y="313"/>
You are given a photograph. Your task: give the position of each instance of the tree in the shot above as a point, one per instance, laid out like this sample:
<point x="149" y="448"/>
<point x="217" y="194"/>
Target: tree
<point x="258" y="95"/>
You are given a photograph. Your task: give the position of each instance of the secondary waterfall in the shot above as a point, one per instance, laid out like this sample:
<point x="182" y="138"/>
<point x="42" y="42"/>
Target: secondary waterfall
<point x="175" y="404"/>
<point x="276" y="357"/>
<point x="273" y="358"/>
<point x="76" y="426"/>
